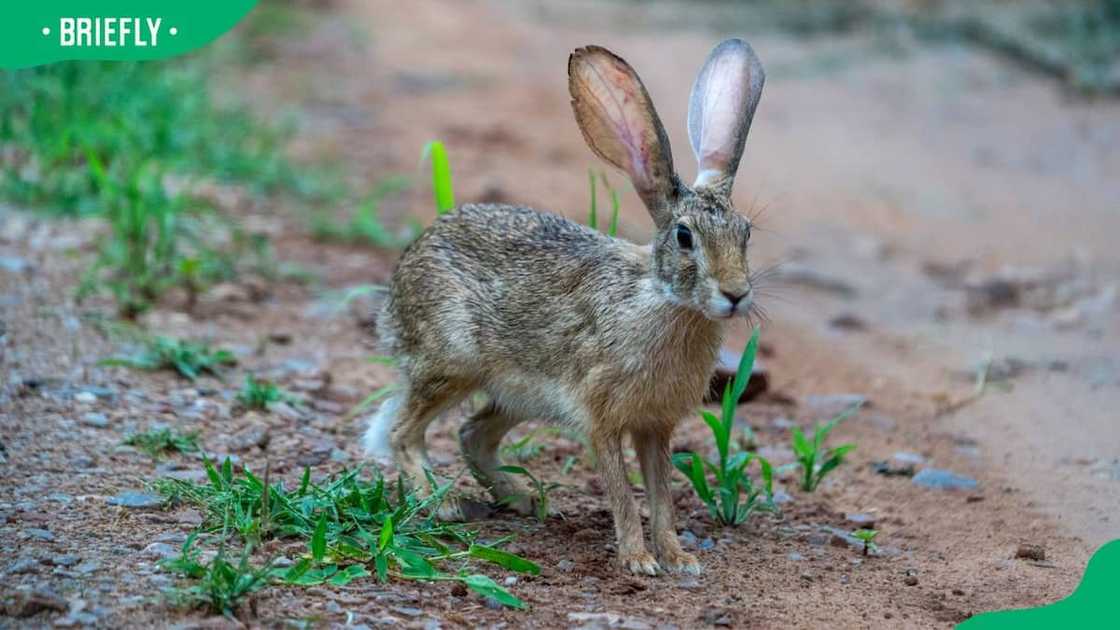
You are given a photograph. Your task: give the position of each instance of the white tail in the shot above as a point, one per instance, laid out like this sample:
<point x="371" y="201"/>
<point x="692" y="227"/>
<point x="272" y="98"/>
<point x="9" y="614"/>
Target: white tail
<point x="376" y="439"/>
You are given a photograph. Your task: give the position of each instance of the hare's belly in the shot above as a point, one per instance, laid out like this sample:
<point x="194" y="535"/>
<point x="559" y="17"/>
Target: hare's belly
<point x="538" y="397"/>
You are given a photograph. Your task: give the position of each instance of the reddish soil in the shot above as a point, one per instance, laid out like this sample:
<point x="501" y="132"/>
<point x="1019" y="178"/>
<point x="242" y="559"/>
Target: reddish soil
<point x="904" y="176"/>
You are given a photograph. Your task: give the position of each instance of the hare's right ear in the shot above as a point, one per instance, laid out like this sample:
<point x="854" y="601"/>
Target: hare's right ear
<point x="620" y="125"/>
<point x="720" y="110"/>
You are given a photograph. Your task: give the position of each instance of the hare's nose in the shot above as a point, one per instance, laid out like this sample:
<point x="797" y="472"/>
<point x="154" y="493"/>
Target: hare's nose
<point x="733" y="297"/>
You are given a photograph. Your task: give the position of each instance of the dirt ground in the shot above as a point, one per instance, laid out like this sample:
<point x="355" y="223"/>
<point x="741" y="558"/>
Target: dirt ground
<point x="934" y="210"/>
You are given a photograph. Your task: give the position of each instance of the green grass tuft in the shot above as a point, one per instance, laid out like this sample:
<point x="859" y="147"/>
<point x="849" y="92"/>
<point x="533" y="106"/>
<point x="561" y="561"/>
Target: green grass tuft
<point x="188" y="359"/>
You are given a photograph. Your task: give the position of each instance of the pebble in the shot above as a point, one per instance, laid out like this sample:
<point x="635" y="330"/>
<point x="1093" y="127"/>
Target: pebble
<point x="707" y="544"/>
<point x="65" y="560"/>
<point x="39" y="534"/>
<point x="86" y="398"/>
<point x="688" y="539"/>
<point x="510" y="580"/>
<point x="565" y="565"/>
<point x="407" y="611"/>
<point x="910" y="580"/>
<point x="136" y="500"/>
<point x="87" y="567"/>
<point x="1029" y="551"/>
<point x="940" y="479"/>
<point x="794" y="556"/>
<point x="861" y="520"/>
<point x="24" y="565"/>
<point x="95" y="419"/>
<point x="25" y="603"/>
<point x="689" y="583"/>
<point x="493" y="604"/>
<point x="781" y="496"/>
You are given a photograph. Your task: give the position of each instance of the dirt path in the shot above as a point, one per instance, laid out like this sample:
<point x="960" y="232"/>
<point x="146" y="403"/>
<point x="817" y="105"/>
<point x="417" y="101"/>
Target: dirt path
<point x="865" y="168"/>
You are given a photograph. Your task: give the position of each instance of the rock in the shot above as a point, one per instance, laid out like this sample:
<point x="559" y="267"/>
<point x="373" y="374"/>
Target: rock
<point x="26" y="603"/>
<point x="726" y="366"/>
<point x="1029" y="551"/>
<point x="510" y="580"/>
<point x="803" y="275"/>
<point x="706" y="544"/>
<point x="848" y="321"/>
<point x="492" y="603"/>
<point x="689" y="583"/>
<point x="600" y="620"/>
<point x="251" y="437"/>
<point x="286" y="411"/>
<point x="861" y="520"/>
<point x="565" y="565"/>
<point x="688" y="539"/>
<point x="24" y="565"/>
<point x="407" y="611"/>
<point x="14" y="265"/>
<point x="95" y="419"/>
<point x="831" y="405"/>
<point x="65" y="560"/>
<point x="901" y="464"/>
<point x="940" y="479"/>
<point x="191" y="517"/>
<point x="910" y="580"/>
<point x="159" y="551"/>
<point x="136" y="500"/>
<point x="39" y="534"/>
<point x="459" y="590"/>
<point x="781" y="496"/>
<point x="86" y="398"/>
<point x="794" y="556"/>
<point x="88" y="567"/>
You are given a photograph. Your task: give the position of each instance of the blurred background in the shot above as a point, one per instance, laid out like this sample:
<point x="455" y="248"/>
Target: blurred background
<point x="936" y="186"/>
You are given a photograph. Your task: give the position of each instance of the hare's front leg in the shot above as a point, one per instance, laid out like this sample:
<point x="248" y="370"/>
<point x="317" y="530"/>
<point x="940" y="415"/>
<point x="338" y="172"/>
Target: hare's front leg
<point x="479" y="437"/>
<point x="632" y="552"/>
<point x="654" y="453"/>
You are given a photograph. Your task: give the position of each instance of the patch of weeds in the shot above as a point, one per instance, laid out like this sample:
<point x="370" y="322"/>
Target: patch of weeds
<point x="218" y="585"/>
<point x="188" y="359"/>
<point x="868" y="538"/>
<point x="259" y="394"/>
<point x="593" y="208"/>
<point x="734" y="496"/>
<point x="159" y="441"/>
<point x="540" y="487"/>
<point x="813" y="459"/>
<point x="528" y="447"/>
<point x="442" y="190"/>
<point x="349" y="524"/>
<point x="365" y="226"/>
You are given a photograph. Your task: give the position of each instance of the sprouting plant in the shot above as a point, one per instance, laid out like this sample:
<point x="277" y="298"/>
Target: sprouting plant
<point x="816" y="462"/>
<point x="868" y="538"/>
<point x="159" y="441"/>
<point x="593" y="209"/>
<point x="441" y="176"/>
<point x="218" y="585"/>
<point x="187" y="358"/>
<point x="366" y="226"/>
<point x="735" y="496"/>
<point x="259" y="394"/>
<point x="349" y="524"/>
<point x="542" y="488"/>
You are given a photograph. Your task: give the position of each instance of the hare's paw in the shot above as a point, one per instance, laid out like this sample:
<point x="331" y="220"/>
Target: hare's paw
<point x="527" y="505"/>
<point x="678" y="561"/>
<point x="639" y="562"/>
<point x="463" y="510"/>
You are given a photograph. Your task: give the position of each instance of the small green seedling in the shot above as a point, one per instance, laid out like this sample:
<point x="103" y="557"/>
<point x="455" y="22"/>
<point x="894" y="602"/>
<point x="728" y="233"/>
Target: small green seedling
<point x="868" y="538"/>
<point x="816" y="462"/>
<point x="348" y="523"/>
<point x="540" y="487"/>
<point x="593" y="209"/>
<point x="187" y="358"/>
<point x="259" y="394"/>
<point x="441" y="176"/>
<point x="157" y="442"/>
<point x="219" y="585"/>
<point x="735" y="496"/>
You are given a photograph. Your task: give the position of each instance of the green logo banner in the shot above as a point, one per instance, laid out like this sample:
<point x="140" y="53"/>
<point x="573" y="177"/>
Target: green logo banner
<point x="34" y="32"/>
<point x="1093" y="605"/>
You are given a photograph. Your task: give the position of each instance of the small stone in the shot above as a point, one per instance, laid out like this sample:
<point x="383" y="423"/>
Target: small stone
<point x="286" y="411"/>
<point x="65" y="560"/>
<point x="492" y="603"/>
<point x="910" y="580"/>
<point x="87" y="567"/>
<point x="1029" y="551"/>
<point x="339" y="455"/>
<point x="22" y="604"/>
<point x="459" y="590"/>
<point x="688" y="539"/>
<point x="159" y="551"/>
<point x="95" y="419"/>
<point x="510" y="580"/>
<point x="707" y="544"/>
<point x="939" y="479"/>
<point x="794" y="556"/>
<point x="136" y="500"/>
<point x="24" y="565"/>
<point x="39" y="534"/>
<point x="781" y="496"/>
<point x="565" y="565"/>
<point x="849" y="322"/>
<point x="407" y="611"/>
<point x="86" y="398"/>
<point x="861" y="520"/>
<point x="689" y="583"/>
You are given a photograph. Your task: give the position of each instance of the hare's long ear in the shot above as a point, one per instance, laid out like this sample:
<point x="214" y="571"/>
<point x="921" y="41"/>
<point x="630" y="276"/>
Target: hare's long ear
<point x="720" y="109"/>
<point x="620" y="125"/>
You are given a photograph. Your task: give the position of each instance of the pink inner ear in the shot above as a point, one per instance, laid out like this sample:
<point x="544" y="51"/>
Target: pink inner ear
<point x="626" y="118"/>
<point x="722" y="114"/>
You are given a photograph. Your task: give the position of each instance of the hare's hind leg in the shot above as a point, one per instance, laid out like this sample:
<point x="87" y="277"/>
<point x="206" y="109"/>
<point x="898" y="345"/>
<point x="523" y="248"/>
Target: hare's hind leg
<point x="480" y="436"/>
<point x="423" y="399"/>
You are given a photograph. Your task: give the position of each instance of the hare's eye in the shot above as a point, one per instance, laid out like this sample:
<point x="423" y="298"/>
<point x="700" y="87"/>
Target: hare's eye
<point x="684" y="237"/>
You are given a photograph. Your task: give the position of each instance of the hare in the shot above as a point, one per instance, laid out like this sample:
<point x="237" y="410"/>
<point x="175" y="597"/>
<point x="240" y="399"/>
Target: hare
<point x="553" y="320"/>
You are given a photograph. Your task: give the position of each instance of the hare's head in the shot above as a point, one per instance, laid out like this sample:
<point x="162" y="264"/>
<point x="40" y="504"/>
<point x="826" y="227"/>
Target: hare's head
<point x="700" y="249"/>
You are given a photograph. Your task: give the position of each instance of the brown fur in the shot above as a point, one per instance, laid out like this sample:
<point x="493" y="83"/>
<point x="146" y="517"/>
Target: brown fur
<point x="556" y="321"/>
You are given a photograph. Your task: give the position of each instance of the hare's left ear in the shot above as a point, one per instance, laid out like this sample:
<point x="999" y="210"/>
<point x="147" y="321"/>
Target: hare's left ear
<point x="720" y="109"/>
